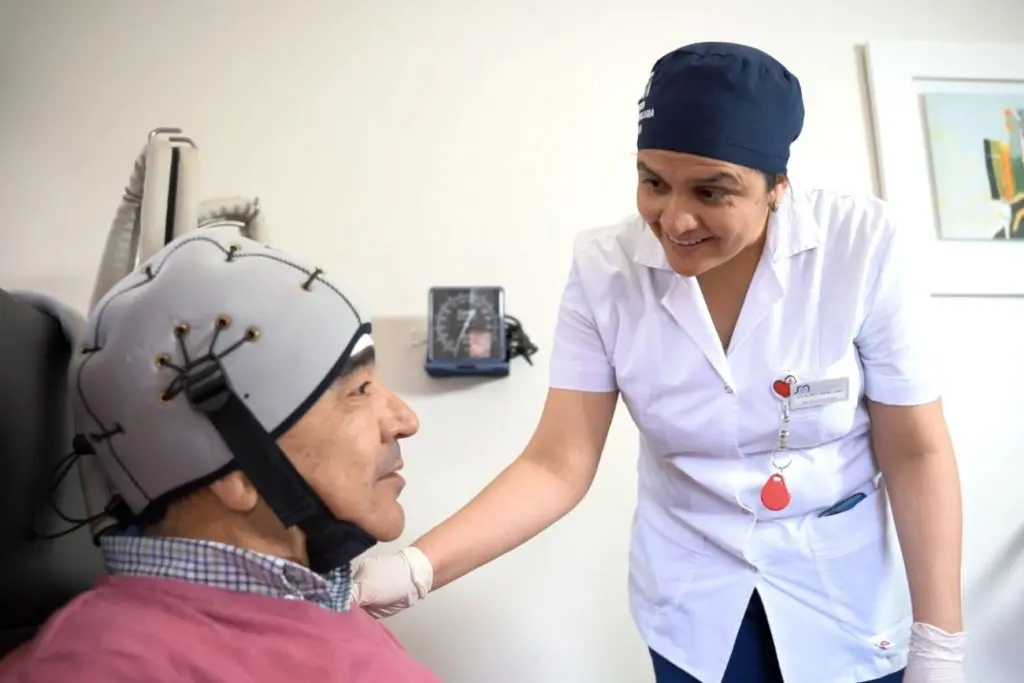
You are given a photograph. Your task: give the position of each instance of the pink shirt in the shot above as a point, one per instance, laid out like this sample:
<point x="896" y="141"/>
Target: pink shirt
<point x="153" y="630"/>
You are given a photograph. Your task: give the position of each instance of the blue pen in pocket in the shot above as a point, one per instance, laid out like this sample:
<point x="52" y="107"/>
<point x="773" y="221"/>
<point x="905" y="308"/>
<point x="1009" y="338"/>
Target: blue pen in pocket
<point x="845" y="505"/>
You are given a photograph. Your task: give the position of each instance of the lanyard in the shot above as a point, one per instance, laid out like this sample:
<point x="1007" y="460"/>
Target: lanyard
<point x="775" y="494"/>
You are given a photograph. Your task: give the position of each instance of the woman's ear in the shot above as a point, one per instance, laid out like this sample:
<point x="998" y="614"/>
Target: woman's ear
<point x="236" y="492"/>
<point x="779" y="191"/>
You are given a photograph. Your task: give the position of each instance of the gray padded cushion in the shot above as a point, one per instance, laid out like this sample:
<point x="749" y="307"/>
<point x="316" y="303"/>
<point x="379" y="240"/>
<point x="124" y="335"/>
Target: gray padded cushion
<point x="35" y="433"/>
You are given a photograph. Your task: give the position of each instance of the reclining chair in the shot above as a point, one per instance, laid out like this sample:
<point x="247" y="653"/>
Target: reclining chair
<point x="36" y="577"/>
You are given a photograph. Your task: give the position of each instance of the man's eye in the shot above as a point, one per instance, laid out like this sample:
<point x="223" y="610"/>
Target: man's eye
<point x="653" y="183"/>
<point x="362" y="390"/>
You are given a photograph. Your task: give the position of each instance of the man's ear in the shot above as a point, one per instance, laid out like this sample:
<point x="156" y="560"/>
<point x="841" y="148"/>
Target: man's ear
<point x="236" y="492"/>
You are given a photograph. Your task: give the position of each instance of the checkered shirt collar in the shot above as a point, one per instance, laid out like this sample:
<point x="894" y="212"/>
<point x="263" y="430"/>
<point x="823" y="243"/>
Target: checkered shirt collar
<point x="225" y="566"/>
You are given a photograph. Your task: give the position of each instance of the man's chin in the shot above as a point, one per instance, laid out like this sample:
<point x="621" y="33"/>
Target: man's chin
<point x="388" y="525"/>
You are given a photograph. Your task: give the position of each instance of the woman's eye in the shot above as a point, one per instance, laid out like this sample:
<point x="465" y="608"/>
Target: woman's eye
<point x="711" y="194"/>
<point x="362" y="390"/>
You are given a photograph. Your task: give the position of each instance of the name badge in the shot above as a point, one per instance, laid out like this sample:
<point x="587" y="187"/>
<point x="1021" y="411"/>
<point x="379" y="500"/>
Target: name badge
<point x="822" y="392"/>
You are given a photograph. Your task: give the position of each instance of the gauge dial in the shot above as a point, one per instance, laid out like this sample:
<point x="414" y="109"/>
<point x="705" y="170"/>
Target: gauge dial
<point x="467" y="323"/>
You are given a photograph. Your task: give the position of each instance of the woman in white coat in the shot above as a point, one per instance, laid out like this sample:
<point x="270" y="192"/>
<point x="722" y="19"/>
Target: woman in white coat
<point x="773" y="352"/>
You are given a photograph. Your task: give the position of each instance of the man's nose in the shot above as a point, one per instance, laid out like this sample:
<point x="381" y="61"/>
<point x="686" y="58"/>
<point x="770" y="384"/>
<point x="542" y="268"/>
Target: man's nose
<point x="403" y="421"/>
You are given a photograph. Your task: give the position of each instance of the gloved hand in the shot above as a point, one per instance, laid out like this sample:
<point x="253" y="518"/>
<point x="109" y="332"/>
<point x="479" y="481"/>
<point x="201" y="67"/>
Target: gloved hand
<point x="384" y="585"/>
<point x="935" y="656"/>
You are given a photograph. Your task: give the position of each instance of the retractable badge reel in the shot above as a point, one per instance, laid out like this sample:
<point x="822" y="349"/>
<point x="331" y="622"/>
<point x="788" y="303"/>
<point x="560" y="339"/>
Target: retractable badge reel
<point x="775" y="494"/>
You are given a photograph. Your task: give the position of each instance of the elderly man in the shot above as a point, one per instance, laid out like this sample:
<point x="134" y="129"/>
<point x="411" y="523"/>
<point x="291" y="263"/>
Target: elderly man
<point x="229" y="392"/>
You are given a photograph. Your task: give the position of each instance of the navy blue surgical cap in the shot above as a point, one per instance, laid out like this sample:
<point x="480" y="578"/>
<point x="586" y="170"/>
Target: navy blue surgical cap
<point x="724" y="101"/>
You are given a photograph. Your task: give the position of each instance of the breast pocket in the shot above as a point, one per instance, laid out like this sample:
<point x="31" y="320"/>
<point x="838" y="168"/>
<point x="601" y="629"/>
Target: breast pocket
<point x="824" y="403"/>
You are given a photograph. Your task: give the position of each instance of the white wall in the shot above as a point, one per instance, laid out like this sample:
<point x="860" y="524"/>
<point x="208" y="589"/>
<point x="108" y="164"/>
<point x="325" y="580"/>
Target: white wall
<point x="413" y="143"/>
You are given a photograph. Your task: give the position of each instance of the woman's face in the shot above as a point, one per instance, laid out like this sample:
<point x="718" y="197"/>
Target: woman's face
<point x="703" y="211"/>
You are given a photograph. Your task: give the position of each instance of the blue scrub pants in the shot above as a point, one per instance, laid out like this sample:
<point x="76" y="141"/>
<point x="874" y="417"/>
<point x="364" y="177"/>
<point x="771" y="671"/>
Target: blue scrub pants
<point x="753" y="657"/>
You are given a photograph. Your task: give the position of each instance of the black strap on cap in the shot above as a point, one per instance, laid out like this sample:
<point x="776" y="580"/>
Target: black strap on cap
<point x="331" y="543"/>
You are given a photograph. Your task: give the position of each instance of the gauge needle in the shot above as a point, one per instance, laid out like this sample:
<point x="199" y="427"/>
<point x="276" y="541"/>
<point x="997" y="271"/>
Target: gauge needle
<point x="465" y="326"/>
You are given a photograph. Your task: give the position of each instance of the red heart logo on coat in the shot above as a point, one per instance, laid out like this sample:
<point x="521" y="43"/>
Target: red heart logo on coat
<point x="781" y="387"/>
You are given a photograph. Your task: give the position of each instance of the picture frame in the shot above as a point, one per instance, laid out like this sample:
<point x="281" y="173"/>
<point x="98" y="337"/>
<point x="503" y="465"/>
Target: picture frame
<point x="948" y="143"/>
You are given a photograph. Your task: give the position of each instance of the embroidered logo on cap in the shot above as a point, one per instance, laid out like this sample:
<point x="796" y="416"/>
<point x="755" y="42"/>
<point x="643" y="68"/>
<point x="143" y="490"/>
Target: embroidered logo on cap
<point x="645" y="111"/>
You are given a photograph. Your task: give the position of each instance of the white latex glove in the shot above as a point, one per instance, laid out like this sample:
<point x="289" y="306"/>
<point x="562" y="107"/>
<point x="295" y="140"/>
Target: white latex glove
<point x="935" y="656"/>
<point x="384" y="585"/>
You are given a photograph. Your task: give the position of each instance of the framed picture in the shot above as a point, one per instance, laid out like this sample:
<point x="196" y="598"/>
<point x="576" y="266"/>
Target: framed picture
<point x="950" y="149"/>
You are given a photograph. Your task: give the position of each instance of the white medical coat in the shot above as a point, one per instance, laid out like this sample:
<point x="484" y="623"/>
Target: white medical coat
<point x="831" y="298"/>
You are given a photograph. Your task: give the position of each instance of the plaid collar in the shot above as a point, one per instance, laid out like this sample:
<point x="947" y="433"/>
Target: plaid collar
<point x="225" y="566"/>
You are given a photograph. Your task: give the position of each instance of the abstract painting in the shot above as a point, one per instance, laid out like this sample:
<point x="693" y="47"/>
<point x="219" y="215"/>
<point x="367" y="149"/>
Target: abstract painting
<point x="976" y="157"/>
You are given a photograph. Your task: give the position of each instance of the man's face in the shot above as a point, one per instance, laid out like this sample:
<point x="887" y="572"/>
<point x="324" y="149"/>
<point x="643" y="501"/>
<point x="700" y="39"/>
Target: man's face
<point x="347" y="448"/>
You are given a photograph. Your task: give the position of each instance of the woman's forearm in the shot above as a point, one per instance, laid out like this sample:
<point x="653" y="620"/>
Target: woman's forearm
<point x="526" y="498"/>
<point x="924" y="492"/>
